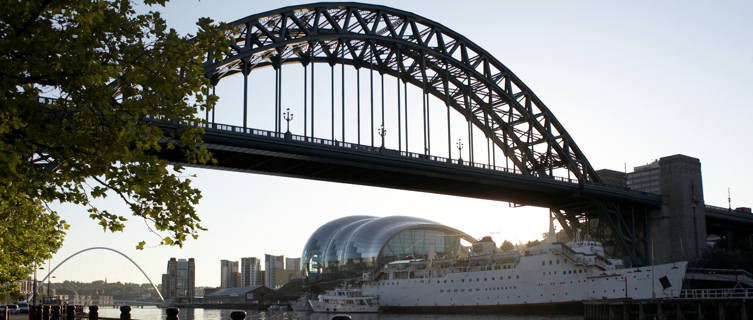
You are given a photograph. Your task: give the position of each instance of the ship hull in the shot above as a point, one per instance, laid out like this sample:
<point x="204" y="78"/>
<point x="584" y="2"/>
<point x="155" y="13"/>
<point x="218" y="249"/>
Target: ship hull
<point x="575" y="308"/>
<point x="533" y="283"/>
<point x="317" y="306"/>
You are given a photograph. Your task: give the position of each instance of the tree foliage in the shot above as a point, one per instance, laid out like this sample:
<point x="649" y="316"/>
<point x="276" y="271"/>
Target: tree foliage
<point x="10" y="294"/>
<point x="507" y="246"/>
<point x="28" y="233"/>
<point x="531" y="243"/>
<point x="108" y="69"/>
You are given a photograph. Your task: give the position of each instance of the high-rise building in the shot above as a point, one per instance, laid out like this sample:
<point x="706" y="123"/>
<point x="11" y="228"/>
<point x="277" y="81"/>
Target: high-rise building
<point x="272" y="266"/>
<point x="250" y="268"/>
<point x="236" y="279"/>
<point x="228" y="269"/>
<point x="293" y="264"/>
<point x="646" y="178"/>
<point x="170" y="278"/>
<point x="167" y="286"/>
<point x="180" y="279"/>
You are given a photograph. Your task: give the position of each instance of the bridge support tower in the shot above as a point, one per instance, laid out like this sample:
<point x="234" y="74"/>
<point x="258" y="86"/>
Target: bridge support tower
<point x="678" y="228"/>
<point x="644" y="234"/>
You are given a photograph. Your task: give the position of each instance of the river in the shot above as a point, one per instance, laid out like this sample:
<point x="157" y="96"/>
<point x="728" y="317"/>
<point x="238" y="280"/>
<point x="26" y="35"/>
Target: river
<point x="152" y="313"/>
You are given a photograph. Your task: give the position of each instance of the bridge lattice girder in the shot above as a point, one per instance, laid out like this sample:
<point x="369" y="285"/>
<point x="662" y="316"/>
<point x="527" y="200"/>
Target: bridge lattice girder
<point x="421" y="52"/>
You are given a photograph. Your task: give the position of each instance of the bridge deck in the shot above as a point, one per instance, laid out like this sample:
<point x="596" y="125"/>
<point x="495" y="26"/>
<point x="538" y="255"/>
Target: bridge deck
<point x="260" y="151"/>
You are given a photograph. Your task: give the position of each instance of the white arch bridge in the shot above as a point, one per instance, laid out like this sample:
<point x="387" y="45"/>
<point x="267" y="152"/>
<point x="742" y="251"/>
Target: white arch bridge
<point x="101" y="248"/>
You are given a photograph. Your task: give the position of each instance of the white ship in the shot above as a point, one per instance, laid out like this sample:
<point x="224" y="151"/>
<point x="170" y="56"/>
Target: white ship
<point x="550" y="274"/>
<point x="346" y="299"/>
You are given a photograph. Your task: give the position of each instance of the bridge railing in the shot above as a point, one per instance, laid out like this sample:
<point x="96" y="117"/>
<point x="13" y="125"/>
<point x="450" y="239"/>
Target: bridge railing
<point x="739" y="272"/>
<point x="335" y="143"/>
<point x="346" y="145"/>
<point x="734" y="293"/>
<point x="360" y="147"/>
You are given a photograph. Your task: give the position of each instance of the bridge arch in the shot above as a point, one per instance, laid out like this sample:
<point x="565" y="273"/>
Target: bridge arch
<point x="419" y="51"/>
<point x="108" y="249"/>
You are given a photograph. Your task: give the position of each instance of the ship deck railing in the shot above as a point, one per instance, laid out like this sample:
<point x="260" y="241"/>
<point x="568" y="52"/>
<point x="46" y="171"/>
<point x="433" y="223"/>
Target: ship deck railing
<point x="711" y="294"/>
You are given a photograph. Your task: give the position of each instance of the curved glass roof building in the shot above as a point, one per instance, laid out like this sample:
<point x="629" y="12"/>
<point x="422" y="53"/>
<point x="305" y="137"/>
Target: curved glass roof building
<point x="349" y="246"/>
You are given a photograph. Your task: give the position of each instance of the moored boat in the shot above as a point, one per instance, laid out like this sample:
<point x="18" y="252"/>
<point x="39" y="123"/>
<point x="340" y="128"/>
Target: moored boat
<point x="552" y="273"/>
<point x="302" y="304"/>
<point x="345" y="299"/>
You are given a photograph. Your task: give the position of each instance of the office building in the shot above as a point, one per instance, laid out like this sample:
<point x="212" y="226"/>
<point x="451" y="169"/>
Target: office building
<point x="273" y="266"/>
<point x="250" y="268"/>
<point x="236" y="280"/>
<point x="646" y="178"/>
<point x="179" y="283"/>
<point x="293" y="264"/>
<point x="228" y="271"/>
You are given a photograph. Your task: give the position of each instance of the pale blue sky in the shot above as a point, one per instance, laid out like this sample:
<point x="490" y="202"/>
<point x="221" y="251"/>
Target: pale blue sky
<point x="631" y="82"/>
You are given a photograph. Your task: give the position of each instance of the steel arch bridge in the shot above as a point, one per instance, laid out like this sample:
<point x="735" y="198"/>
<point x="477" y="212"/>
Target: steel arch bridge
<point x="41" y="282"/>
<point x="418" y="51"/>
<point x="530" y="157"/>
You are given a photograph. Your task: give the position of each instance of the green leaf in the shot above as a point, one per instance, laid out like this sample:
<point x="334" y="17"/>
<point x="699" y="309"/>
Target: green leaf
<point x="108" y="67"/>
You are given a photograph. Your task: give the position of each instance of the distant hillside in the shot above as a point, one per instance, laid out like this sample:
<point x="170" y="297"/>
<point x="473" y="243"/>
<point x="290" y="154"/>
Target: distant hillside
<point x="118" y="290"/>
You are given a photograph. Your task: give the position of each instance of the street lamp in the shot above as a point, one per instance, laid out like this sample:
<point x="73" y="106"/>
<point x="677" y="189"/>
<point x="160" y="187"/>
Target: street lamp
<point x="382" y="132"/>
<point x="460" y="149"/>
<point x="34" y="298"/>
<point x="49" y="270"/>
<point x="49" y="295"/>
<point x="288" y="117"/>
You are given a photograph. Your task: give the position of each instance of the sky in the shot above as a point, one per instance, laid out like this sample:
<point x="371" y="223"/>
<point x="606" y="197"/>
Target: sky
<point x="630" y="81"/>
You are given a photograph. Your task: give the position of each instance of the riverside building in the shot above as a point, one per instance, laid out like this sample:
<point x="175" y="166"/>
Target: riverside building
<point x="293" y="264"/>
<point x="273" y="267"/>
<point x="179" y="283"/>
<point x="250" y="268"/>
<point x="350" y="246"/>
<point x="229" y="275"/>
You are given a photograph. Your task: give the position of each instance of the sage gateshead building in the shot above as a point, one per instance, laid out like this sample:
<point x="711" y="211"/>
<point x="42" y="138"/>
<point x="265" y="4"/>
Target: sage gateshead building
<point x="347" y="247"/>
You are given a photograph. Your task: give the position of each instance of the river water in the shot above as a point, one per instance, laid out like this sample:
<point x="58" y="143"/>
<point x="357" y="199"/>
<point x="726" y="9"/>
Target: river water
<point x="152" y="313"/>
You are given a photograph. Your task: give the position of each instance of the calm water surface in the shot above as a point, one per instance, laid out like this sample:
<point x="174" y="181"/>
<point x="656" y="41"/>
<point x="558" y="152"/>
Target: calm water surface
<point x="150" y="313"/>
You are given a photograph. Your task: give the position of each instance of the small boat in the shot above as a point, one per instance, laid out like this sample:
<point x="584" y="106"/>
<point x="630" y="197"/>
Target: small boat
<point x="276" y="307"/>
<point x="345" y="299"/>
<point x="341" y="316"/>
<point x="302" y="304"/>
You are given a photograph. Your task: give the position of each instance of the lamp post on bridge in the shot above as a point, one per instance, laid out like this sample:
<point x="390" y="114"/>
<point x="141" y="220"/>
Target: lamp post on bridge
<point x="459" y="144"/>
<point x="288" y="116"/>
<point x="382" y="132"/>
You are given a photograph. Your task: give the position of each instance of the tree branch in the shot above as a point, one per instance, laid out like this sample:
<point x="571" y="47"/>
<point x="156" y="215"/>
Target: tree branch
<point x="120" y="193"/>
<point x="34" y="17"/>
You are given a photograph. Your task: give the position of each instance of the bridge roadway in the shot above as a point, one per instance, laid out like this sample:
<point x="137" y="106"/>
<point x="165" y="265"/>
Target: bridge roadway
<point x="267" y="152"/>
<point x="718" y="216"/>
